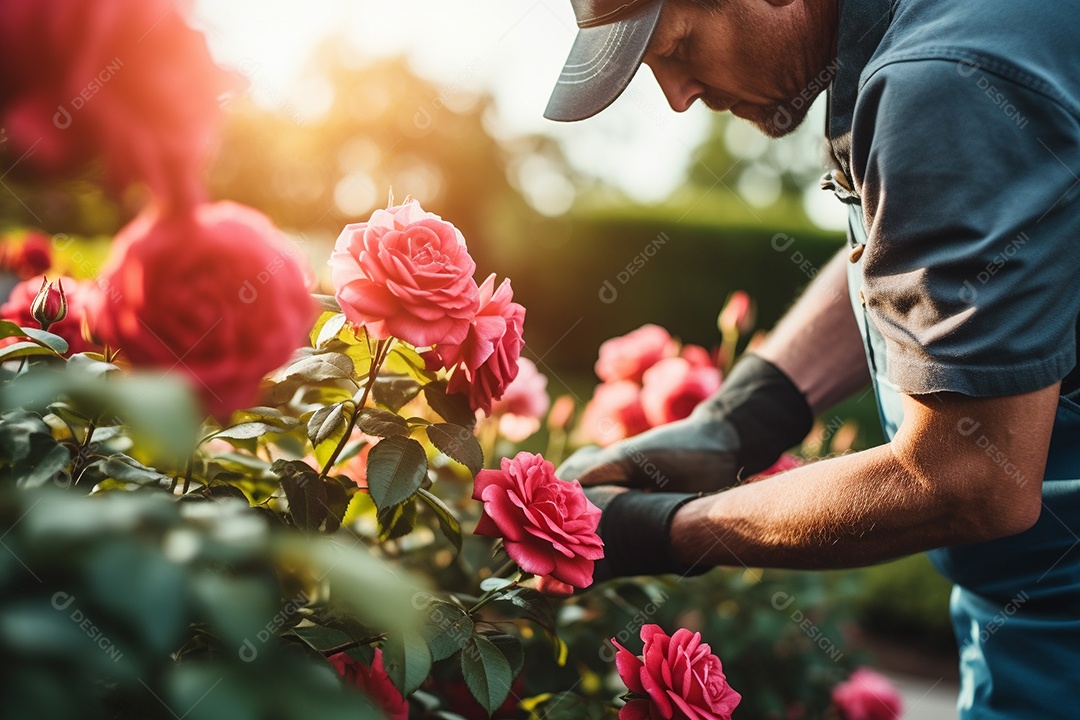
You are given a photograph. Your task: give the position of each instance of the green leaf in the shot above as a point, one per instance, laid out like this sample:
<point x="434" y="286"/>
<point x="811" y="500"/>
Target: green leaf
<point x="10" y="329"/>
<point x="407" y="660"/>
<point x="453" y="408"/>
<point x="381" y="423"/>
<point x="328" y="303"/>
<point x="246" y="431"/>
<point x="495" y="583"/>
<point x="48" y="467"/>
<point x="320" y="638"/>
<point x="394" y="393"/>
<point x="487" y="672"/>
<point x="320" y="368"/>
<point x="48" y="339"/>
<point x="396" y="521"/>
<point x="337" y="503"/>
<point x="305" y="492"/>
<point x="449" y="524"/>
<point x="404" y="360"/>
<point x="325" y="422"/>
<point x="446" y="629"/>
<point x="510" y="647"/>
<point x="26" y="349"/>
<point x="533" y="605"/>
<point x="396" y="468"/>
<point x="90" y="366"/>
<point x="128" y="469"/>
<point x="459" y="444"/>
<point x="267" y="415"/>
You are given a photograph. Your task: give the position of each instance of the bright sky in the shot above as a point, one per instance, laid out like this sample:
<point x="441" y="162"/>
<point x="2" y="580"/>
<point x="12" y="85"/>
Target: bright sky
<point x="511" y="48"/>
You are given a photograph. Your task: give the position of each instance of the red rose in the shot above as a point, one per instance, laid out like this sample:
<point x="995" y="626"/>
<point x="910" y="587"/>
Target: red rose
<point x="629" y="356"/>
<point x="523" y="404"/>
<point x="374" y="682"/>
<point x="18" y="310"/>
<point x="867" y="695"/>
<point x="548" y="526"/>
<point x="673" y="388"/>
<point x="487" y="360"/>
<point x="406" y="273"/>
<point x="613" y="413"/>
<point x="215" y="294"/>
<point x="30" y="256"/>
<point x="127" y="78"/>
<point x="678" y="678"/>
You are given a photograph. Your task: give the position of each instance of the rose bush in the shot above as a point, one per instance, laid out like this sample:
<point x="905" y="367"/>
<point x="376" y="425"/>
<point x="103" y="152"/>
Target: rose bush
<point x="676" y="677"/>
<point x="215" y="293"/>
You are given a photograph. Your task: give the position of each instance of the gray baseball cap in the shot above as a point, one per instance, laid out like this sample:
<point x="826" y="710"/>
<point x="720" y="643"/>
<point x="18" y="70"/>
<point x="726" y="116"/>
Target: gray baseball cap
<point x="610" y="45"/>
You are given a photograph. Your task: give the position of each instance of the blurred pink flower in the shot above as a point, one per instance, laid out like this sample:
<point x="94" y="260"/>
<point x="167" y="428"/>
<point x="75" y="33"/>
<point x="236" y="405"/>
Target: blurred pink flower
<point x="374" y="682"/>
<point x="215" y="294"/>
<point x="486" y="362"/>
<point x="738" y="314"/>
<point x="548" y="526"/>
<point x="562" y="411"/>
<point x="697" y="356"/>
<point x="524" y="403"/>
<point x="867" y="695"/>
<point x="675" y="677"/>
<point x="406" y="273"/>
<point x="629" y="356"/>
<point x="613" y="413"/>
<point x="26" y="257"/>
<point x="673" y="388"/>
<point x="128" y="79"/>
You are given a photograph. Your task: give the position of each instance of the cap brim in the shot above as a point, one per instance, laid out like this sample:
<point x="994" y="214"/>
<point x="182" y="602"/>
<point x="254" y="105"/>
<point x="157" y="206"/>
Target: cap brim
<point x="601" y="64"/>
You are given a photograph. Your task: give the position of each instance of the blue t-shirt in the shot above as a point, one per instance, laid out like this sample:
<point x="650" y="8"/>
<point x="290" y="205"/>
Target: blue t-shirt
<point x="962" y="120"/>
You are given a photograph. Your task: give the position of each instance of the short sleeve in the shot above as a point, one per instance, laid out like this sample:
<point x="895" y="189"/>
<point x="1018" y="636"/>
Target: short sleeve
<point x="971" y="270"/>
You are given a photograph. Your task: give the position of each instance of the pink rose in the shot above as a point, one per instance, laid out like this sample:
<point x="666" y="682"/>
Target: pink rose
<point x="613" y="413"/>
<point x="214" y="293"/>
<point x="374" y="682"/>
<point x="523" y="404"/>
<point x="548" y="526"/>
<point x="678" y="678"/>
<point x="18" y="310"/>
<point x="486" y="360"/>
<point x="697" y="356"/>
<point x="629" y="356"/>
<point x="673" y="388"/>
<point x="128" y="79"/>
<point x="738" y="314"/>
<point x="867" y="695"/>
<point x="406" y="273"/>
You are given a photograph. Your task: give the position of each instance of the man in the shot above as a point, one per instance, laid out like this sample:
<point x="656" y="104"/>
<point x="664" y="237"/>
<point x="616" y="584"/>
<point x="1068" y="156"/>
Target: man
<point x="955" y="132"/>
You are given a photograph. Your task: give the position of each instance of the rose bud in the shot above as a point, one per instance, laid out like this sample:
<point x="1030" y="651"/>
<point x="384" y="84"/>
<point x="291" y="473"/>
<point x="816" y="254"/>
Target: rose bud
<point x="50" y="306"/>
<point x="737" y="315"/>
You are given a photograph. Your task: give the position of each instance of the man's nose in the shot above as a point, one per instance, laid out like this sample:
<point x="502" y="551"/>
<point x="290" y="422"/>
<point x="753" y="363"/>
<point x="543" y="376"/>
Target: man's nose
<point x="680" y="89"/>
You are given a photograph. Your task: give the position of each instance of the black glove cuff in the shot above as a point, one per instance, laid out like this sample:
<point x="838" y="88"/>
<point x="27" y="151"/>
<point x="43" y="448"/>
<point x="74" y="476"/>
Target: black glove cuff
<point x="636" y="529"/>
<point x="769" y="413"/>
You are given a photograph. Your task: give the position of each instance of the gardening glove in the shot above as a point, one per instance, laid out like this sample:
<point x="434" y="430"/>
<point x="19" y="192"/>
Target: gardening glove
<point x="738" y="432"/>
<point x="636" y="530"/>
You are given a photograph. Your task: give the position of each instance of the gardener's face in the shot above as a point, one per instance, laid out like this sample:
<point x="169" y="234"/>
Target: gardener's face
<point x="764" y="60"/>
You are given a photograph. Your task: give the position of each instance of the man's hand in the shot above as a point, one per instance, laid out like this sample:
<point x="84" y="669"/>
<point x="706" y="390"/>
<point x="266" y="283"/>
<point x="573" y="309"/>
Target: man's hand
<point x="636" y="530"/>
<point x="739" y="431"/>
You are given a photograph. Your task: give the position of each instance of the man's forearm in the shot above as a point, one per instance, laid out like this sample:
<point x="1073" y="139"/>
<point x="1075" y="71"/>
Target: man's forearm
<point x="848" y="511"/>
<point x="932" y="486"/>
<point x="817" y="343"/>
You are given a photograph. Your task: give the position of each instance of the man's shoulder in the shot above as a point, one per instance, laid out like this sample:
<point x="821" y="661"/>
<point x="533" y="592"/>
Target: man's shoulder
<point x="1034" y="45"/>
